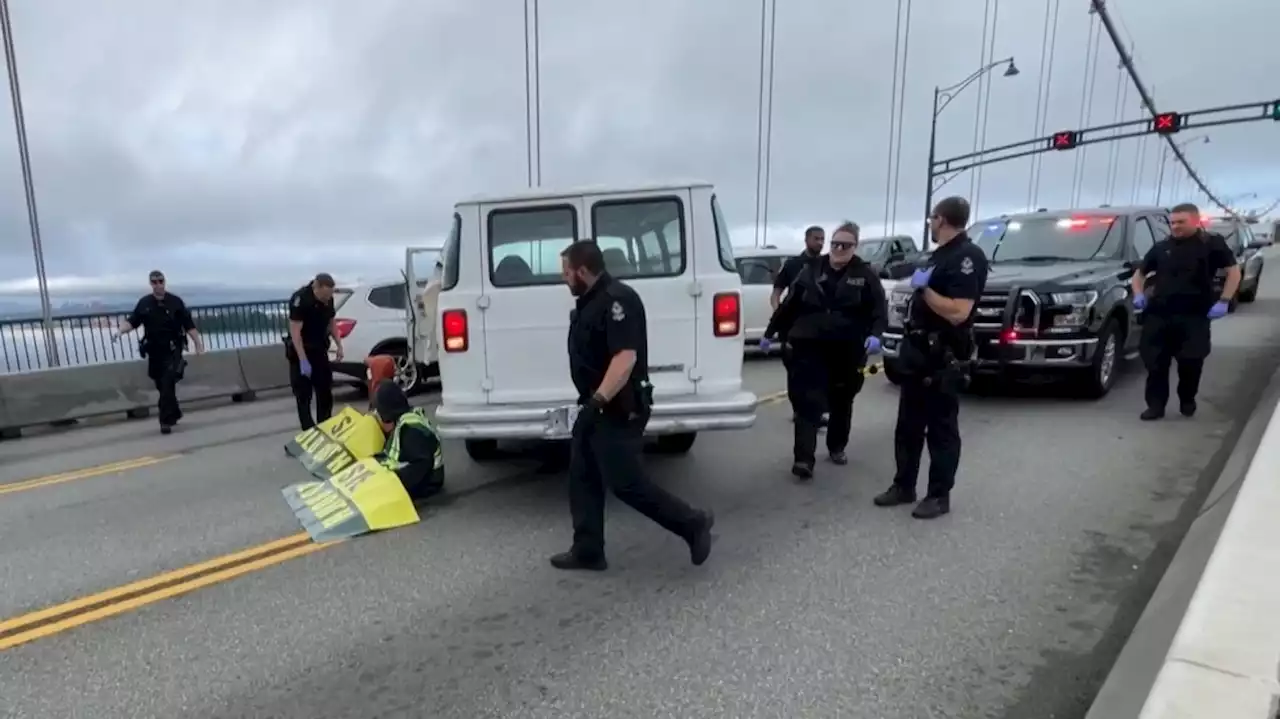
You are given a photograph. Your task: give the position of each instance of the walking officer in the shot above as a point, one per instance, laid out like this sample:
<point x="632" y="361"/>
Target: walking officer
<point x="608" y="361"/>
<point x="166" y="325"/>
<point x="811" y="256"/>
<point x="933" y="358"/>
<point x="831" y="320"/>
<point x="311" y="324"/>
<point x="1179" y="302"/>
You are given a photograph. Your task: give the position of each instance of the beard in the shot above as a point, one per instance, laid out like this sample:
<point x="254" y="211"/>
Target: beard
<point x="577" y="287"/>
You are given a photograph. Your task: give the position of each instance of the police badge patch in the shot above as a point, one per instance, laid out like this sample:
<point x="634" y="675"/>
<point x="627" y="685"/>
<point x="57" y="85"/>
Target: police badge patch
<point x="618" y="313"/>
<point x="966" y="266"/>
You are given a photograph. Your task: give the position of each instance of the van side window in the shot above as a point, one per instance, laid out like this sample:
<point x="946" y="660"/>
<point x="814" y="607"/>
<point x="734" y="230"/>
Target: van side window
<point x="723" y="243"/>
<point x="449" y="280"/>
<point x="525" y="244"/>
<point x="755" y="271"/>
<point x="641" y="238"/>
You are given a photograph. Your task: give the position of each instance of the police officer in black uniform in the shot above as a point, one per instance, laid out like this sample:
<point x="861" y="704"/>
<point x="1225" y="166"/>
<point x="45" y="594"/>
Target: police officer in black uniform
<point x="311" y="324"/>
<point x="166" y="324"/>
<point x="831" y="320"/>
<point x="1179" y="302"/>
<point x="811" y="256"/>
<point x="934" y="359"/>
<point x="608" y="360"/>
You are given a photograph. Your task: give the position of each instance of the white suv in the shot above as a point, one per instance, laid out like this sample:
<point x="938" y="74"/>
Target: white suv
<point x="503" y="313"/>
<point x="371" y="318"/>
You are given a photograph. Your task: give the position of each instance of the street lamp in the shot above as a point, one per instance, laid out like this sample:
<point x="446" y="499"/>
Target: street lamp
<point x="942" y="97"/>
<point x="1164" y="159"/>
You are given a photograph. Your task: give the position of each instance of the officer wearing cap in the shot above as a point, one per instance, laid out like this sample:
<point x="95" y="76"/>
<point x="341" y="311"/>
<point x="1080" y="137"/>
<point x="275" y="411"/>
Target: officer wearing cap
<point x="166" y="324"/>
<point x="1179" y="302"/>
<point x="311" y="325"/>
<point x="831" y="320"/>
<point x="608" y="361"/>
<point x="413" y="449"/>
<point x="933" y="358"/>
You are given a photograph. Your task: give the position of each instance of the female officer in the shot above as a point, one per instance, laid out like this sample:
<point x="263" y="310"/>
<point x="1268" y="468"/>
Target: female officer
<point x="831" y="320"/>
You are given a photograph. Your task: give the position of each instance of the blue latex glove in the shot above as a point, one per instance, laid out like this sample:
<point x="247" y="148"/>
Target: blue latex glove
<point x="304" y="367"/>
<point x="921" y="277"/>
<point x="765" y="344"/>
<point x="1219" y="310"/>
<point x="872" y="345"/>
<point x="1140" y="301"/>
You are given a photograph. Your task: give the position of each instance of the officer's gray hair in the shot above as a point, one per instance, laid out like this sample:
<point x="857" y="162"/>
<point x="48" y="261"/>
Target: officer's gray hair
<point x="850" y="228"/>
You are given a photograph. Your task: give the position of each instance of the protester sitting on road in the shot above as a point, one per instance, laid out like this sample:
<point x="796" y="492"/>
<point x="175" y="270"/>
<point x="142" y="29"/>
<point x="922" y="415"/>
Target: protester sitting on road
<point x="413" y="450"/>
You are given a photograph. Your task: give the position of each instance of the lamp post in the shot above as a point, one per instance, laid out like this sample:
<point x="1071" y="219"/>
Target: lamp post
<point x="942" y="96"/>
<point x="1164" y="159"/>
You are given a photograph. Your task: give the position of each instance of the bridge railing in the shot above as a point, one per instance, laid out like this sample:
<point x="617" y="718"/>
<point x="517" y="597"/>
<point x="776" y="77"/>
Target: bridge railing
<point x="85" y="339"/>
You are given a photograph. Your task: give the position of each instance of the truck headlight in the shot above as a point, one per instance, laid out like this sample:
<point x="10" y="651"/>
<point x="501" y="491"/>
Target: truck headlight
<point x="1077" y="304"/>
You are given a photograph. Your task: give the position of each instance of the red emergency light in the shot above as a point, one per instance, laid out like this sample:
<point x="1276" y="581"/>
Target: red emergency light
<point x="1167" y="123"/>
<point x="1008" y="336"/>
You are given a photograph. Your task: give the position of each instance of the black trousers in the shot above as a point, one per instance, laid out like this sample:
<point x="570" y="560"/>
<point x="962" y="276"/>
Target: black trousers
<point x="927" y="412"/>
<point x="606" y="452"/>
<point x="823" y="377"/>
<point x="319" y="384"/>
<point x="1185" y="338"/>
<point x="164" y="367"/>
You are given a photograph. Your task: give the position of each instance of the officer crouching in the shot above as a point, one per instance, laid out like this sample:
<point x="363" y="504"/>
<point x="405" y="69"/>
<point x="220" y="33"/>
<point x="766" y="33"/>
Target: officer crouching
<point x="413" y="450"/>
<point x="934" y="359"/>
<point x="831" y="320"/>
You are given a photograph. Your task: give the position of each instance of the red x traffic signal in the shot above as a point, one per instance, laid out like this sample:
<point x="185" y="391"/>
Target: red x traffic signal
<point x="1064" y="140"/>
<point x="1167" y="123"/>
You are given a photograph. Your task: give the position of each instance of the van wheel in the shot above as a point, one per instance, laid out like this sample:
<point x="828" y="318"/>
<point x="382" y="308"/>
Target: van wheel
<point x="675" y="443"/>
<point x="482" y="450"/>
<point x="1101" y="374"/>
<point x="1252" y="293"/>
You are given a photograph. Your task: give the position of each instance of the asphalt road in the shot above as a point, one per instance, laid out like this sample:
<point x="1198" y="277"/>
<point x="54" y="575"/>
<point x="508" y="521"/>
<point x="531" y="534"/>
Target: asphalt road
<point x="814" y="602"/>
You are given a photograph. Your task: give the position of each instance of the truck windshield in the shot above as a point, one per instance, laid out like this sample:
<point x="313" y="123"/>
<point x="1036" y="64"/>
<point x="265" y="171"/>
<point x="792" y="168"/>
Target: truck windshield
<point x="871" y="250"/>
<point x="1068" y="239"/>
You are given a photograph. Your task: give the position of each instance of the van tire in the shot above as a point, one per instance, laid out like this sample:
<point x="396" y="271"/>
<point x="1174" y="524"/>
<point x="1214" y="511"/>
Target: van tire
<point x="675" y="443"/>
<point x="482" y="450"/>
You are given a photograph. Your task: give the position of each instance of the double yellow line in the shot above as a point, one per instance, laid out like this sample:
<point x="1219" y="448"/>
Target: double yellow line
<point x="86" y="473"/>
<point x="56" y="619"/>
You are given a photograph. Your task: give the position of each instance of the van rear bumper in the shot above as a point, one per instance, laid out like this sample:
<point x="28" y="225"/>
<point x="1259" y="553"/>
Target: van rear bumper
<point x="676" y="415"/>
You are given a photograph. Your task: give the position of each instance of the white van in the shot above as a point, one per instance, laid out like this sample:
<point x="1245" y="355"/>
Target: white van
<point x="758" y="267"/>
<point x="503" y="313"/>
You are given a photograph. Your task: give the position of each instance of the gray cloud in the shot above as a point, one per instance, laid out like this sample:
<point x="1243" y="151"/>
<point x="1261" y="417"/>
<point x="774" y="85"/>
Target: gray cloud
<point x="251" y="142"/>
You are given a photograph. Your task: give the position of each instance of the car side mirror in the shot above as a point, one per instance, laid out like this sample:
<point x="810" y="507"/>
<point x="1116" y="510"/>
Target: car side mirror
<point x="1258" y="244"/>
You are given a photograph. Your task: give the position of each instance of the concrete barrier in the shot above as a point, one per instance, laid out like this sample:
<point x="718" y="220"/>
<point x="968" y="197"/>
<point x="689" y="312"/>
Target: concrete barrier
<point x="264" y="367"/>
<point x="70" y="393"/>
<point x="1208" y="643"/>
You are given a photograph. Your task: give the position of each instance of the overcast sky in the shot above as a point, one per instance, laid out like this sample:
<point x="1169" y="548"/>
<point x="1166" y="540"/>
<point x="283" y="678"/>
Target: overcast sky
<point x="257" y="142"/>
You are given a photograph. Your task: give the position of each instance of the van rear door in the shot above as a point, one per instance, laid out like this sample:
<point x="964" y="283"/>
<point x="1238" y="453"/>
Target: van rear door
<point x="525" y="306"/>
<point x="647" y="241"/>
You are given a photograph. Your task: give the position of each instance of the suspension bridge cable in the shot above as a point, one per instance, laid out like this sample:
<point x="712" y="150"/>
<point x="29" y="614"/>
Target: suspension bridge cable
<point x="893" y="116"/>
<point x="1117" y="114"/>
<point x="768" y="134"/>
<point x="537" y="96"/>
<point x="764" y="26"/>
<point x="1086" y="104"/>
<point x="1101" y="9"/>
<point x="902" y="100"/>
<point x="982" y="81"/>
<point x="986" y="101"/>
<point x="528" y="100"/>
<point x="1139" y="165"/>
<point x="1035" y="125"/>
<point x="1048" y="96"/>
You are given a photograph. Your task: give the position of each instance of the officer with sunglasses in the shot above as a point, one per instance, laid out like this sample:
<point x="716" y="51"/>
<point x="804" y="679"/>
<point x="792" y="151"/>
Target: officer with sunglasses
<point x="831" y="320"/>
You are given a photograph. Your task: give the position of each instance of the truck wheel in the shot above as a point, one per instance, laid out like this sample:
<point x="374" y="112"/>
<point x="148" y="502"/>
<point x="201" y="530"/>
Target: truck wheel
<point x="1252" y="293"/>
<point x="1101" y="374"/>
<point x="482" y="450"/>
<point x="675" y="443"/>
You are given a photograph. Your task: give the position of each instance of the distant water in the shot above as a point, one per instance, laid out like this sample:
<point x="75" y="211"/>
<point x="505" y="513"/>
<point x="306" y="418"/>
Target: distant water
<point x="22" y="348"/>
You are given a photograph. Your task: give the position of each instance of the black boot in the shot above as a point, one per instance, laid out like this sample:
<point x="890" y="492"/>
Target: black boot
<point x="932" y="508"/>
<point x="570" y="561"/>
<point x="895" y="495"/>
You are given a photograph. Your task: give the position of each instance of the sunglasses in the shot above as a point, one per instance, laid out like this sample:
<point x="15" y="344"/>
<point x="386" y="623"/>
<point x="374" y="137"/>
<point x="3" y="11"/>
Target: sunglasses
<point x="842" y="245"/>
<point x="157" y="280"/>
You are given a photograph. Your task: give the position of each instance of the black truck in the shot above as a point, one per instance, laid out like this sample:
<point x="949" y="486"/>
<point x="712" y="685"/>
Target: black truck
<point x="1057" y="299"/>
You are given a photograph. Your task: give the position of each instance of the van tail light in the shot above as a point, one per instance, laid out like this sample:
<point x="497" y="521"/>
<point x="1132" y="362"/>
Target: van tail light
<point x="453" y="324"/>
<point x="344" y="327"/>
<point x="727" y="314"/>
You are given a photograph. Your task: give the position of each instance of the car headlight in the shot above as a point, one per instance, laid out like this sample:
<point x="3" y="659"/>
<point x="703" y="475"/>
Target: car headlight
<point x="1082" y="298"/>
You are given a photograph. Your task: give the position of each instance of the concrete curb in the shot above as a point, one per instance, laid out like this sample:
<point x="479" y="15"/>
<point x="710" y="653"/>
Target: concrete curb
<point x="1208" y="642"/>
<point x="67" y="394"/>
